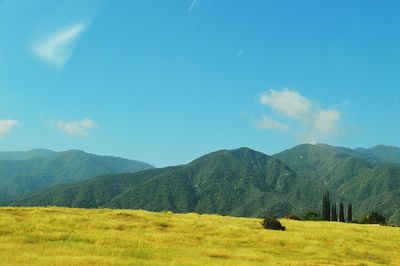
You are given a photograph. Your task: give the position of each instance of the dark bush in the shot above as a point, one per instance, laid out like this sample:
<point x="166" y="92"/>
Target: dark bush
<point x="391" y="225"/>
<point x="272" y="224"/>
<point x="293" y="217"/>
<point x="373" y="218"/>
<point x="312" y="216"/>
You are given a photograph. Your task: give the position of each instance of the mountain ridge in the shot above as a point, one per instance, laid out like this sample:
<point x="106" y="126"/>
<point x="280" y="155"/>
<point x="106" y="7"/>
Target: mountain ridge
<point x="22" y="176"/>
<point x="24" y="155"/>
<point x="190" y="187"/>
<point x="244" y="182"/>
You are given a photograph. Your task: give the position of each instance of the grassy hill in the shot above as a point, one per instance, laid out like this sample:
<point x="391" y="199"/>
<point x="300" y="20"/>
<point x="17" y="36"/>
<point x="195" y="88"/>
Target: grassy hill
<point x="44" y="168"/>
<point x="59" y="236"/>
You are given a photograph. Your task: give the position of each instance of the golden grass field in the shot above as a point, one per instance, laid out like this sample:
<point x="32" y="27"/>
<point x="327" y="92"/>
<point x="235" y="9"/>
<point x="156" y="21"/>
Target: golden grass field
<point x="62" y="236"/>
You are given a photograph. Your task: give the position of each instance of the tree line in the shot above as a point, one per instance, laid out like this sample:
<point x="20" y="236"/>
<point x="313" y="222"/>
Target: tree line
<point x="330" y="213"/>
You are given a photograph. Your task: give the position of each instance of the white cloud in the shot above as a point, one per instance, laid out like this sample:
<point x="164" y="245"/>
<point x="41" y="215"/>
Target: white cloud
<point x="6" y="126"/>
<point x="76" y="128"/>
<point x="325" y="121"/>
<point x="57" y="48"/>
<point x="268" y="123"/>
<point x="287" y="102"/>
<point x="314" y="123"/>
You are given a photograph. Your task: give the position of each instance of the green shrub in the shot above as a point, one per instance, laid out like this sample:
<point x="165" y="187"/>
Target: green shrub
<point x="312" y="216"/>
<point x="272" y="224"/>
<point x="292" y="217"/>
<point x="373" y="218"/>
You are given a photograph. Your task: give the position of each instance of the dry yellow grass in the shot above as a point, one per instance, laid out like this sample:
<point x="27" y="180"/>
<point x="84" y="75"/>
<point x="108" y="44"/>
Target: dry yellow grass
<point x="61" y="236"/>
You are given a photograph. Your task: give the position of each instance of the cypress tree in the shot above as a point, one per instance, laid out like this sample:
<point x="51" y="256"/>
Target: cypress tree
<point x="326" y="207"/>
<point x="349" y="213"/>
<point x="323" y="206"/>
<point x="341" y="213"/>
<point x="334" y="213"/>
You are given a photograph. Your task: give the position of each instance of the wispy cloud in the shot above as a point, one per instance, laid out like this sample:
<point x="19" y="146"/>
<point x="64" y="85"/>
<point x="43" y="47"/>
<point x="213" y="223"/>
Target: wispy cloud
<point x="76" y="128"/>
<point x="269" y="123"/>
<point x="6" y="126"/>
<point x="192" y="5"/>
<point x="57" y="48"/>
<point x="314" y="123"/>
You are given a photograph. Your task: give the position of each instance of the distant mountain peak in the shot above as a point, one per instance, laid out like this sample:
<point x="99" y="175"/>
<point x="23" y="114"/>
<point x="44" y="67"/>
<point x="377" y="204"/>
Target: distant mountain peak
<point x="242" y="153"/>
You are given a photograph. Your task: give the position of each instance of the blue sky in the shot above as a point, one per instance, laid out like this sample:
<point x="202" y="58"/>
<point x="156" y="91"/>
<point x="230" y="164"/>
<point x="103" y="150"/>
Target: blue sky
<point x="168" y="81"/>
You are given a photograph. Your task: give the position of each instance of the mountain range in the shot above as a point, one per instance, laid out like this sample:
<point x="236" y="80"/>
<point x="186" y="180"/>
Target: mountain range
<point x="240" y="182"/>
<point x="26" y="172"/>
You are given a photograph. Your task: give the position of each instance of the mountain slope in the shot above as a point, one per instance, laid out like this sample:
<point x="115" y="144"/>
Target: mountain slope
<point x="376" y="190"/>
<point x="380" y="180"/>
<point x="25" y="155"/>
<point x="386" y="154"/>
<point x="244" y="182"/>
<point x="320" y="168"/>
<point x="352" y="176"/>
<point x="238" y="182"/>
<point x="324" y="164"/>
<point x="23" y="176"/>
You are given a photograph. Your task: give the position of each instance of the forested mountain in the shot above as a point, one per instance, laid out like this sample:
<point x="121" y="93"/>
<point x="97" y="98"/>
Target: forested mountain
<point x="244" y="182"/>
<point x="362" y="178"/>
<point x="238" y="182"/>
<point x="45" y="168"/>
<point x="325" y="165"/>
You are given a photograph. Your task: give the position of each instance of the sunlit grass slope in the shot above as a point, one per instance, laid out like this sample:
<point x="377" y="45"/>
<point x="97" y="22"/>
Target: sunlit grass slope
<point x="59" y="236"/>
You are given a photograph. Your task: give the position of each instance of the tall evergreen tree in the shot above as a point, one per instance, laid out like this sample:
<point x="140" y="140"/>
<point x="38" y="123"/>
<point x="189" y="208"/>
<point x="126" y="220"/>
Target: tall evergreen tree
<point x="334" y="213"/>
<point x="326" y="207"/>
<point x="349" y="213"/>
<point x="341" y="213"/>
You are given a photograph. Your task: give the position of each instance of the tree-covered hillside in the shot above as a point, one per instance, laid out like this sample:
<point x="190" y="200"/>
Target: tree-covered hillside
<point x="239" y="182"/>
<point x="22" y="176"/>
<point x="363" y="179"/>
<point x="244" y="182"/>
<point x="386" y="154"/>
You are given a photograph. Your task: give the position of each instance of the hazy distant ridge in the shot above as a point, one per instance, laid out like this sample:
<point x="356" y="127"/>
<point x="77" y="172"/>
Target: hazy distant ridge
<point x="25" y="172"/>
